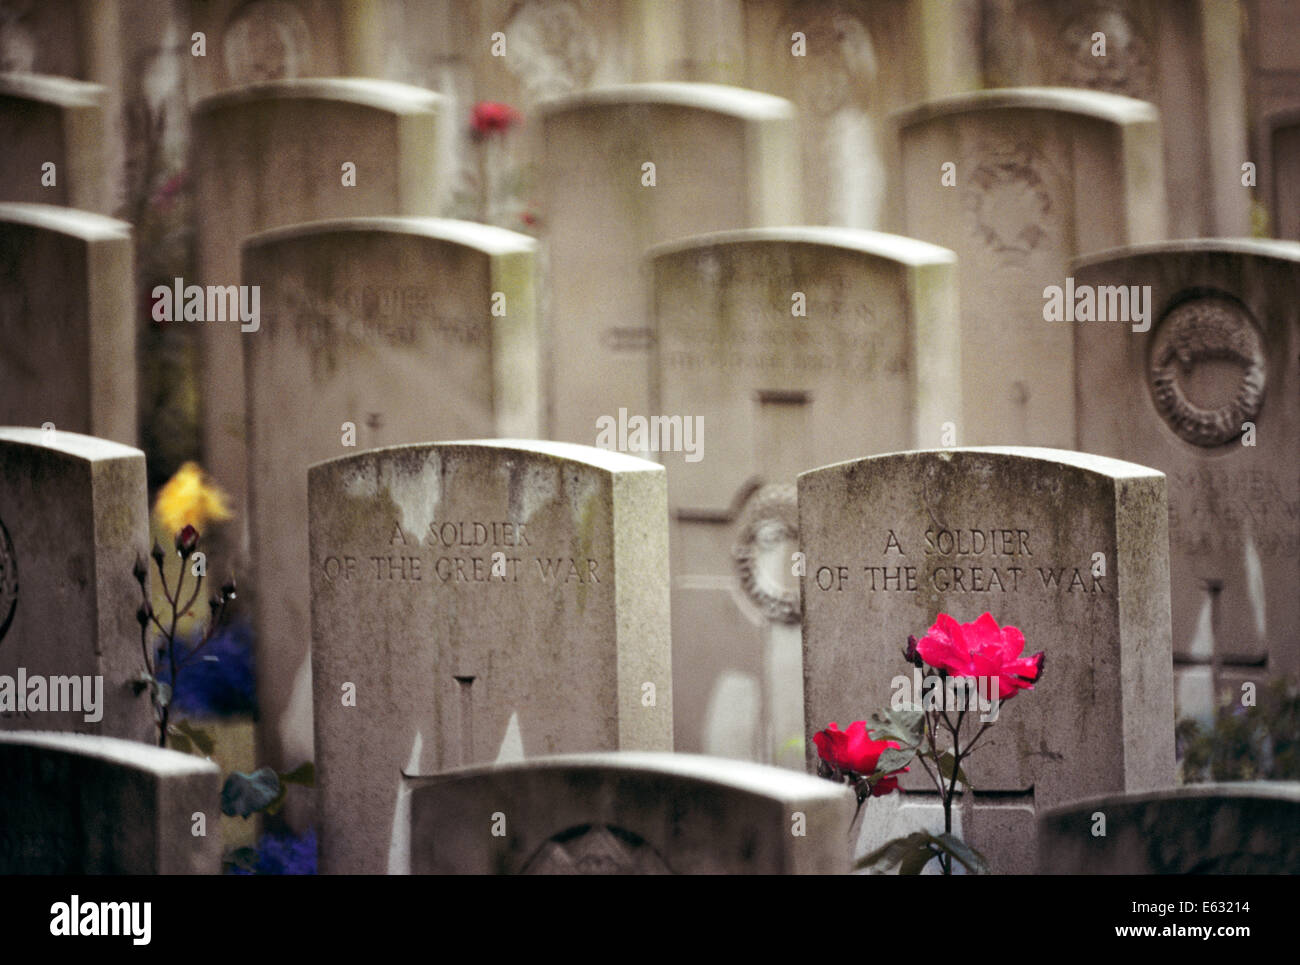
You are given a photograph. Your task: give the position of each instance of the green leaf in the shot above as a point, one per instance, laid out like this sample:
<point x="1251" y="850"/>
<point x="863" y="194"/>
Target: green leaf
<point x="244" y="794"/>
<point x="892" y="852"/>
<point x="892" y="760"/>
<point x="178" y="741"/>
<point x="905" y="726"/>
<point x="201" y="738"/>
<point x="304" y="774"/>
<point x="973" y="861"/>
<point x="916" y="861"/>
<point x="945" y="763"/>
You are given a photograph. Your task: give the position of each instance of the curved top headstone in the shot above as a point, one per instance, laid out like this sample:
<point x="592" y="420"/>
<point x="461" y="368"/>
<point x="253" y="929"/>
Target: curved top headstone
<point x="623" y="814"/>
<point x="720" y="98"/>
<point x="385" y="95"/>
<point x="1254" y="247"/>
<point x="1113" y="108"/>
<point x="77" y="804"/>
<point x="890" y="247"/>
<point x="1246" y="827"/>
<point x="488" y="239"/>
<point x="487" y="600"/>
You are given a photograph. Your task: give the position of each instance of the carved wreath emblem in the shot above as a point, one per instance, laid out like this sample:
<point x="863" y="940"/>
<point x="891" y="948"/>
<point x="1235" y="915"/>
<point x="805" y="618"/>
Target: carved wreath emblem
<point x="1198" y="331"/>
<point x="769" y="524"/>
<point x="8" y="580"/>
<point x="596" y="850"/>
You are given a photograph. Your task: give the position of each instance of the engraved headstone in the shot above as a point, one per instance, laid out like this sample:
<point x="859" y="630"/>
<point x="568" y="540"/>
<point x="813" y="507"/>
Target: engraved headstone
<point x="630" y="813"/>
<point x="845" y="66"/>
<point x="1246" y="828"/>
<point x="1210" y="396"/>
<point x="476" y="602"/>
<point x="625" y="168"/>
<point x="1184" y="57"/>
<point x="790" y="348"/>
<point x="66" y="321"/>
<point x="74" y="518"/>
<point x="256" y="41"/>
<point x="272" y="155"/>
<point x="1070" y="548"/>
<point x="53" y="133"/>
<point x="1038" y="176"/>
<point x="374" y="331"/>
<point x="80" y="805"/>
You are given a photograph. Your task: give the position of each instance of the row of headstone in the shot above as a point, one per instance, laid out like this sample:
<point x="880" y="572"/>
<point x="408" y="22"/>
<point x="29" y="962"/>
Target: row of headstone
<point x="845" y="68"/>
<point x="569" y="651"/>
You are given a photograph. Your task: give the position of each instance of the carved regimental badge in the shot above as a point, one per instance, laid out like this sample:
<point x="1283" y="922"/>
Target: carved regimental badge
<point x="1201" y="403"/>
<point x="769" y="533"/>
<point x="596" y="850"/>
<point x="8" y="580"/>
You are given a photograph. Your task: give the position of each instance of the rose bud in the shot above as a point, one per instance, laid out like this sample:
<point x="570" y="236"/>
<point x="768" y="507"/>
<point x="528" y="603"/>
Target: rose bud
<point x="143" y="614"/>
<point x="911" y="654"/>
<point x="139" y="571"/>
<point x="228" y="590"/>
<point x="157" y="553"/>
<point x="186" y="540"/>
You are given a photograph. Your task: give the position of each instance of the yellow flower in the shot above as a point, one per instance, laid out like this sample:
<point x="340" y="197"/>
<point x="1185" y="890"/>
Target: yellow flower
<point x="190" y="499"/>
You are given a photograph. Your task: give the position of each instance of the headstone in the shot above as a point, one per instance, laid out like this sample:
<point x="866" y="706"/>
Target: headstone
<point x="846" y="66"/>
<point x="1069" y="547"/>
<point x="256" y="41"/>
<point x="1273" y="56"/>
<point x="64" y="38"/>
<point x="81" y="805"/>
<point x="374" y="331"/>
<point x="272" y="155"/>
<point x="1246" y="828"/>
<point x="67" y="311"/>
<point x="625" y="168"/>
<point x="1209" y="395"/>
<point x="630" y="813"/>
<point x="521" y="52"/>
<point x="789" y="348"/>
<point x="1184" y="56"/>
<point x="55" y="147"/>
<point x="539" y="625"/>
<point x="74" y="518"/>
<point x="1041" y="175"/>
<point x="1286" y="175"/>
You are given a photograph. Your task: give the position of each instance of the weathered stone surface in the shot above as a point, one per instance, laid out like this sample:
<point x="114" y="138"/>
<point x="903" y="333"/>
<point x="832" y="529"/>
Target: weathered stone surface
<point x="67" y="321"/>
<point x="478" y="601"/>
<point x="80" y="805"/>
<point x="74" y="518"/>
<point x="722" y="157"/>
<point x="1041" y="175"/>
<point x="1248" y="828"/>
<point x="1022" y="533"/>
<point x="1210" y="395"/>
<point x="765" y="339"/>
<point x="629" y="813"/>
<point x="375" y="331"/>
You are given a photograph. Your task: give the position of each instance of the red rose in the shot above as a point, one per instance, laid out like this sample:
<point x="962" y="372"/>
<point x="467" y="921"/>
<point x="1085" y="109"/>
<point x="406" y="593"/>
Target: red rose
<point x="186" y="540"/>
<point x="489" y="117"/>
<point x="853" y="750"/>
<point x="981" y="649"/>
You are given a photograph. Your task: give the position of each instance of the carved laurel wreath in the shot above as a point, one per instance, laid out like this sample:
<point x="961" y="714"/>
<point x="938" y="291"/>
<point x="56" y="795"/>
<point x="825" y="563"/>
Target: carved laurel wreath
<point x="1200" y="330"/>
<point x="770" y="517"/>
